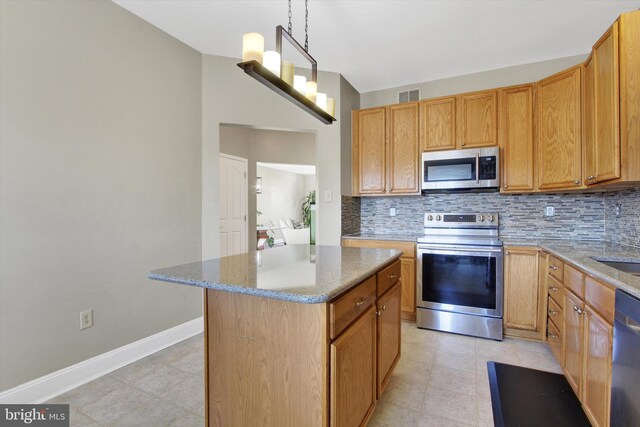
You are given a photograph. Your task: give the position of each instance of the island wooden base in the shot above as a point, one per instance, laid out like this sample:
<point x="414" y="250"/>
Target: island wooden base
<point x="266" y="361"/>
<point x="279" y="363"/>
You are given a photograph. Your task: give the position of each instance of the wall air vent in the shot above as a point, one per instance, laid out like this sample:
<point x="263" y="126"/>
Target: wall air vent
<point x="409" y="95"/>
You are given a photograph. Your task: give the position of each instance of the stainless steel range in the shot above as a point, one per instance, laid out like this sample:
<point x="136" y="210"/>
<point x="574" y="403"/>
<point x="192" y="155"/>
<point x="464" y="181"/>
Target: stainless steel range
<point x="459" y="274"/>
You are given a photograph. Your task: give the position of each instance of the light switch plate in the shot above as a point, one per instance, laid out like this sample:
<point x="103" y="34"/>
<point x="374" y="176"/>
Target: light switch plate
<point x="549" y="211"/>
<point x="392" y="211"/>
<point x="327" y="195"/>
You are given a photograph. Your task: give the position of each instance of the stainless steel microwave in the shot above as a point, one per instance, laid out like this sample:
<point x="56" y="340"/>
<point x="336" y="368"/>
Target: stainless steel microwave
<point x="461" y="169"/>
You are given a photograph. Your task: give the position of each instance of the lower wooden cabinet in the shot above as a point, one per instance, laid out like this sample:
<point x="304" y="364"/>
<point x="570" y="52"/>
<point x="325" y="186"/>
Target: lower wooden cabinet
<point x="388" y="311"/>
<point x="524" y="293"/>
<point x="408" y="269"/>
<point x="353" y="373"/>
<point x="596" y="390"/>
<point x="573" y="330"/>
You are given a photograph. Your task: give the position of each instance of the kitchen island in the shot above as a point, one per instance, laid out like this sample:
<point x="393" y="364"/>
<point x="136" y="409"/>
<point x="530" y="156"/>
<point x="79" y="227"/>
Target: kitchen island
<point x="298" y="335"/>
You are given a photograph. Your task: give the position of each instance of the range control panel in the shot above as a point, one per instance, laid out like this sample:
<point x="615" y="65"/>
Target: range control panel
<point x="449" y="219"/>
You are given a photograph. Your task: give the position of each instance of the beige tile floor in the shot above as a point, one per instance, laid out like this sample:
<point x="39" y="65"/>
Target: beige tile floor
<point x="441" y="380"/>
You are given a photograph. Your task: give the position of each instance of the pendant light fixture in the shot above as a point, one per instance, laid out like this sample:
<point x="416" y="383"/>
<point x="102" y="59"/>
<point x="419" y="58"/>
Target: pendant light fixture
<point x="278" y="75"/>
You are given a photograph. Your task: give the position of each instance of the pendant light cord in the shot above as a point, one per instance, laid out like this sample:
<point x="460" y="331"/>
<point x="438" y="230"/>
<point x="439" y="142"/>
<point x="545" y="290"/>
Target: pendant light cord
<point x="290" y="30"/>
<point x="306" y="26"/>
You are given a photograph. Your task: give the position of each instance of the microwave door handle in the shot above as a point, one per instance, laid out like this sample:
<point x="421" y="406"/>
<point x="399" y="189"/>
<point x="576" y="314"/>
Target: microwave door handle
<point x="478" y="168"/>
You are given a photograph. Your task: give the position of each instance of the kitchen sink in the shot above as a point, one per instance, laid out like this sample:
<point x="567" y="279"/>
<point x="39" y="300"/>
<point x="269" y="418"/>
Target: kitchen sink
<point x="632" y="268"/>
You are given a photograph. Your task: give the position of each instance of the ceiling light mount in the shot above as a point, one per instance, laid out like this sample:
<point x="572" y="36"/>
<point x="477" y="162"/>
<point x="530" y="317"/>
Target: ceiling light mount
<point x="279" y="77"/>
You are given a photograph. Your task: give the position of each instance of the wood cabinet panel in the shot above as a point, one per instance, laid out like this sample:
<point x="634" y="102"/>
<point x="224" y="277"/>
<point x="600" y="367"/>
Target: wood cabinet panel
<point x="370" y="150"/>
<point x="588" y="121"/>
<point x="606" y="107"/>
<point x="407" y="269"/>
<point x="404" y="148"/>
<point x="408" y="304"/>
<point x="353" y="373"/>
<point x="438" y="124"/>
<point x="596" y="396"/>
<point x="388" y="310"/>
<point x="559" y="145"/>
<point x="556" y="291"/>
<point x="573" y="329"/>
<point x="601" y="297"/>
<point x="348" y="307"/>
<point x="388" y="277"/>
<point x="517" y="138"/>
<point x="554" y="313"/>
<point x="478" y="119"/>
<point x="629" y="63"/>
<point x="521" y="289"/>
<point x="574" y="280"/>
<point x="556" y="268"/>
<point x="555" y="340"/>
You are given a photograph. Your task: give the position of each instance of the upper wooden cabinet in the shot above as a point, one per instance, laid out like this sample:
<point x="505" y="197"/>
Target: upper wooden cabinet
<point x="438" y="124"/>
<point x="404" y="149"/>
<point x="559" y="145"/>
<point x="478" y="119"/>
<point x="601" y="110"/>
<point x="386" y="150"/>
<point x="369" y="151"/>
<point x="516" y="138"/>
<point x="629" y="64"/>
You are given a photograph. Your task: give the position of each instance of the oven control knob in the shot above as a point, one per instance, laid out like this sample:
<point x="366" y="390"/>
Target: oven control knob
<point x="481" y="218"/>
<point x="490" y="218"/>
<point x="430" y="218"/>
<point x="438" y="217"/>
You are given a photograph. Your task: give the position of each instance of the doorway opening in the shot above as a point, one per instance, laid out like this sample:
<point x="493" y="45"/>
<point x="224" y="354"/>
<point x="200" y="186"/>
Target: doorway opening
<point x="281" y="184"/>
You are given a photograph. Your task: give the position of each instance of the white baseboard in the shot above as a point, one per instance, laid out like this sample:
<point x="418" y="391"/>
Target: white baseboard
<point x="46" y="387"/>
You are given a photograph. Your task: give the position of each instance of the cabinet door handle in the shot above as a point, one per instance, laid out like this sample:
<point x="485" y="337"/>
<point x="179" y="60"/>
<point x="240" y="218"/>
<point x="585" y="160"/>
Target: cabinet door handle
<point x="553" y="336"/>
<point x="575" y="308"/>
<point x="591" y="177"/>
<point x="552" y="312"/>
<point x="553" y="288"/>
<point x="362" y="301"/>
<point x="553" y="267"/>
<point x="577" y="181"/>
<point x="393" y="276"/>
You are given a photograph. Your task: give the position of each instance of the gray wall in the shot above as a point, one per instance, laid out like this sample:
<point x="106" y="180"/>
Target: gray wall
<point x="508" y="76"/>
<point x="231" y="97"/>
<point x="100" y="149"/>
<point x="349" y="101"/>
<point x="269" y="146"/>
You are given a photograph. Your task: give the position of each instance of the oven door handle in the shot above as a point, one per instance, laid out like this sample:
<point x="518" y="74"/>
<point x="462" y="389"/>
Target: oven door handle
<point x="458" y="248"/>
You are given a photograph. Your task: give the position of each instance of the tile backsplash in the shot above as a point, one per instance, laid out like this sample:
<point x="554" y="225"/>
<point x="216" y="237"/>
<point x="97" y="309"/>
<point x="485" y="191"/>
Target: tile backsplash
<point x="625" y="227"/>
<point x="577" y="216"/>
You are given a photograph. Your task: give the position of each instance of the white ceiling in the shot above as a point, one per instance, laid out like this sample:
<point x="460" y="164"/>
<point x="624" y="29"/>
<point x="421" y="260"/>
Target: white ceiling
<point x="377" y="44"/>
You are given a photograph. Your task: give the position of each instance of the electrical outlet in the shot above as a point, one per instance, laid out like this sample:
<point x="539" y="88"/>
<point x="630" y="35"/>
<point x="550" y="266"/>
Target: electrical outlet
<point x="618" y="210"/>
<point x="86" y="319"/>
<point x="549" y="211"/>
<point x="392" y="211"/>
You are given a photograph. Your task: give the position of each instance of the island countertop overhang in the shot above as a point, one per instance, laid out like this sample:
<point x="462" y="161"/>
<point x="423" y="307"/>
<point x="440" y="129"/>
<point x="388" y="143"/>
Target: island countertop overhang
<point x="307" y="274"/>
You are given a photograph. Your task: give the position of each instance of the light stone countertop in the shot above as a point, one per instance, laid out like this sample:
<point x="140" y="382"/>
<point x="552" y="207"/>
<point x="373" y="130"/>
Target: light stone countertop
<point x="298" y="273"/>
<point x="581" y="253"/>
<point x="576" y="252"/>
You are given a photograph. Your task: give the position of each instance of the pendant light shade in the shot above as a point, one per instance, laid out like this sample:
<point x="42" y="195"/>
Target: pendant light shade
<point x="287" y="72"/>
<point x="252" y="47"/>
<point x="321" y="100"/>
<point x="312" y="90"/>
<point x="272" y="62"/>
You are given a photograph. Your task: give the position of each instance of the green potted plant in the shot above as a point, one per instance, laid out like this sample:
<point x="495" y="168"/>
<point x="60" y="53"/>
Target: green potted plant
<point x="309" y="213"/>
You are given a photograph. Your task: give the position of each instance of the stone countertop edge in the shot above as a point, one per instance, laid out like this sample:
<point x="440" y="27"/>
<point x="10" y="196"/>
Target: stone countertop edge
<point x="275" y="294"/>
<point x="580" y="255"/>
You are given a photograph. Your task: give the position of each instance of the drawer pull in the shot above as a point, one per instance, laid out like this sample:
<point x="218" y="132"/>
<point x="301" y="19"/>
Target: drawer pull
<point x="552" y="312"/>
<point x="553" y="288"/>
<point x="362" y="301"/>
<point x="553" y="267"/>
<point x="393" y="276"/>
<point x="382" y="309"/>
<point x="553" y="336"/>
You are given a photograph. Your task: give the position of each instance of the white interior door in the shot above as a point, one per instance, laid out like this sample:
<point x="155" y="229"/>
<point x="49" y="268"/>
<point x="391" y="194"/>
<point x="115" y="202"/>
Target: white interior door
<point x="233" y="205"/>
